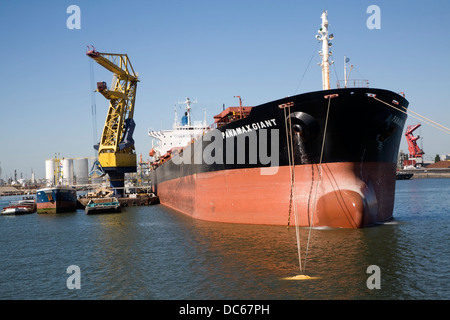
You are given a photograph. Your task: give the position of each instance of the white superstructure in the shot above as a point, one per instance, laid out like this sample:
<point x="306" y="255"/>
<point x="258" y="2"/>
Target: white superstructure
<point x="181" y="134"/>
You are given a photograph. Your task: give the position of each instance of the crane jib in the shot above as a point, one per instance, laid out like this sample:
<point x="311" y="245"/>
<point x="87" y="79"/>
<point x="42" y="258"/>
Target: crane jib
<point x="116" y="152"/>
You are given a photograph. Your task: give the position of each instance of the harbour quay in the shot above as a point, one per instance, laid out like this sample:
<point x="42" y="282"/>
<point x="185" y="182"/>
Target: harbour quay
<point x="128" y="200"/>
<point x="428" y="173"/>
<point x="13" y="191"/>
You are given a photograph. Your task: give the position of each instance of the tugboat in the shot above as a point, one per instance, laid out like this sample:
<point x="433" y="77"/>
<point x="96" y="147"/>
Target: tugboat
<point x="25" y="206"/>
<point x="404" y="175"/>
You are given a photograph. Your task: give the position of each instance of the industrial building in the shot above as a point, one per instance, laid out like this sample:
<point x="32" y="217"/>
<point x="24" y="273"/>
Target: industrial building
<point x="69" y="171"/>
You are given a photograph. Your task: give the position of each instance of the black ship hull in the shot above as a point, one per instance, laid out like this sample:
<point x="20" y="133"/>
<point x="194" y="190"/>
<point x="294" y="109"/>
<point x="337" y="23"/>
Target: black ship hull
<point x="325" y="158"/>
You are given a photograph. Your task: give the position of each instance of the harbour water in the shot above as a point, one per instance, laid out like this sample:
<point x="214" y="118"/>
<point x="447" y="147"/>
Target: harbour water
<point x="155" y="253"/>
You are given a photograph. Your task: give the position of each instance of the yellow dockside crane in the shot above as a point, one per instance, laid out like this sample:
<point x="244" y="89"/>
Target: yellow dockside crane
<point x="116" y="152"/>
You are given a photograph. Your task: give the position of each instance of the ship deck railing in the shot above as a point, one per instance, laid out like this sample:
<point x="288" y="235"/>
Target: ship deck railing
<point x="353" y="83"/>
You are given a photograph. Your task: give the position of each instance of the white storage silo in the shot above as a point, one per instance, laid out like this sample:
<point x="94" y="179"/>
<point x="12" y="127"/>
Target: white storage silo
<point x="49" y="170"/>
<point x="81" y="170"/>
<point x="67" y="171"/>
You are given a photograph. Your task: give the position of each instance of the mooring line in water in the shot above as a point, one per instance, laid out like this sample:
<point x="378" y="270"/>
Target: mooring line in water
<point x="291" y="161"/>
<point x="320" y="178"/>
<point x="290" y="166"/>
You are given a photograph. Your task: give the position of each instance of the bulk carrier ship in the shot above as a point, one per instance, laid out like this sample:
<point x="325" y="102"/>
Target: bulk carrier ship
<point x="321" y="159"/>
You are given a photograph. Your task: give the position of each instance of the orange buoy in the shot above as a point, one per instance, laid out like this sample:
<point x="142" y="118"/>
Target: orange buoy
<point x="300" y="277"/>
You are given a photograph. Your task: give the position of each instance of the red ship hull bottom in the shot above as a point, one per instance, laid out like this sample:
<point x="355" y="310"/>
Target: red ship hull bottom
<point x="53" y="207"/>
<point x="347" y="195"/>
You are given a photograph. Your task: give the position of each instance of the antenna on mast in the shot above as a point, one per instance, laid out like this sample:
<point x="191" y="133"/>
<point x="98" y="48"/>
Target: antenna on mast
<point x="175" y="123"/>
<point x="346" y="60"/>
<point x="325" y="53"/>
<point x="188" y="109"/>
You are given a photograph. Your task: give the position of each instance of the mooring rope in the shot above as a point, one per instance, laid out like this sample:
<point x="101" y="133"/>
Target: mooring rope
<point x="290" y="165"/>
<point x="416" y="115"/>
<point x="289" y="143"/>
<point x="319" y="181"/>
<point x="291" y="161"/>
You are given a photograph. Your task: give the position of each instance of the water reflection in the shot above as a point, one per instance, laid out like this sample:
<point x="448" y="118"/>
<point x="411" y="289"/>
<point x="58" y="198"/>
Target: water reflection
<point x="157" y="253"/>
<point x="247" y="261"/>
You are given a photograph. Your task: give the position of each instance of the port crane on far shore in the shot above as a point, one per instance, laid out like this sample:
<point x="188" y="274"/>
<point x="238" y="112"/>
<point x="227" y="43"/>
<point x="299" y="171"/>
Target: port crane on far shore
<point x="116" y="152"/>
<point x="414" y="150"/>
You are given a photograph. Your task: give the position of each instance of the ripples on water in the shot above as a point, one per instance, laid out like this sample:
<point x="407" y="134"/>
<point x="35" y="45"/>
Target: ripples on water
<point x="156" y="253"/>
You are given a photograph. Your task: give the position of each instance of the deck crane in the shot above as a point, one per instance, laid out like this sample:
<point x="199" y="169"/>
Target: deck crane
<point x="414" y="150"/>
<point x="116" y="152"/>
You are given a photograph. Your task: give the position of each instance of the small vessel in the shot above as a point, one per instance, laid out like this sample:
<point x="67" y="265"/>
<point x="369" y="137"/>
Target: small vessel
<point x="28" y="201"/>
<point x="25" y="206"/>
<point x="56" y="198"/>
<point x="103" y="205"/>
<point x="404" y="175"/>
<point x="14" y="210"/>
<point x="18" y="209"/>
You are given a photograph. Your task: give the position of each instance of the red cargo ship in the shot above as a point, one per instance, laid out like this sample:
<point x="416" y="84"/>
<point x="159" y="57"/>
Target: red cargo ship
<point x="322" y="159"/>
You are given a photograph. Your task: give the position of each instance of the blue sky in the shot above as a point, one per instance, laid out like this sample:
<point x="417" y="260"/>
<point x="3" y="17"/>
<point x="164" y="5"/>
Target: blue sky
<point x="206" y="50"/>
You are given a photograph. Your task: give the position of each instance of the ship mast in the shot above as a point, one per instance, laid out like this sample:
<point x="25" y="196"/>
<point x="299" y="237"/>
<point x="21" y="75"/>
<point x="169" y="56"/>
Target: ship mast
<point x="175" y="123"/>
<point x="325" y="53"/>
<point x="188" y="109"/>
